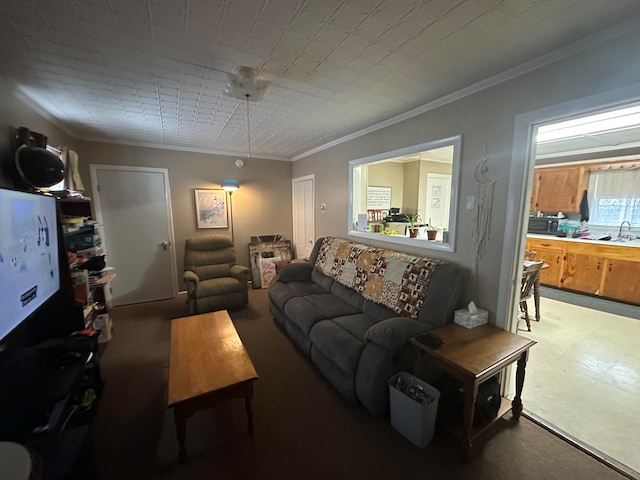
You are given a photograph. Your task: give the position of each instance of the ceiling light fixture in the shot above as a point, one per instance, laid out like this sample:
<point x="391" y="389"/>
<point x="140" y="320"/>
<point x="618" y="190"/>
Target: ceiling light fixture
<point x="243" y="83"/>
<point x="590" y="125"/>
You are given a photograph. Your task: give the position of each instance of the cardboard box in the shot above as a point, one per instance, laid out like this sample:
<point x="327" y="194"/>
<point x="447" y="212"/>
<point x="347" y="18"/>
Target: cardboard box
<point x="465" y="319"/>
<point x="80" y="279"/>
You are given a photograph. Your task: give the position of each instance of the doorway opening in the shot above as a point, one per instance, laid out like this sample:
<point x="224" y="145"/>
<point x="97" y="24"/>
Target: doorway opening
<point x="583" y="378"/>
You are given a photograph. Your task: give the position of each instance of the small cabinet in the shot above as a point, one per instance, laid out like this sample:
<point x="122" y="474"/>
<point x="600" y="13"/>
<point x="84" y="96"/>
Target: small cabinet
<point x="622" y="280"/>
<point x="558" y="189"/>
<point x="552" y="253"/>
<point x="582" y="272"/>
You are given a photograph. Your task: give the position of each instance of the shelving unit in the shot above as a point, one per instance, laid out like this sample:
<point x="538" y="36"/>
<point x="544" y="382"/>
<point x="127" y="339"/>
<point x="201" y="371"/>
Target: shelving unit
<point x="83" y="237"/>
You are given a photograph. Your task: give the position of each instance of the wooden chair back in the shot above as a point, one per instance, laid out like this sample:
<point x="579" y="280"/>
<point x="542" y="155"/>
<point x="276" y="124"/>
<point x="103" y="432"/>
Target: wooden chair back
<point x="530" y="274"/>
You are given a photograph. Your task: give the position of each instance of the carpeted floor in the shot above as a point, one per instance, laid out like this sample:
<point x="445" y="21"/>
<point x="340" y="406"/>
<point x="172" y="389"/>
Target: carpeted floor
<point x="303" y="428"/>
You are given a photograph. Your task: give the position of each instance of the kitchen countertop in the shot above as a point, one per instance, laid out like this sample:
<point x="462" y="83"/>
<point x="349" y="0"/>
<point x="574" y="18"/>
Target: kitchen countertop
<point x="628" y="243"/>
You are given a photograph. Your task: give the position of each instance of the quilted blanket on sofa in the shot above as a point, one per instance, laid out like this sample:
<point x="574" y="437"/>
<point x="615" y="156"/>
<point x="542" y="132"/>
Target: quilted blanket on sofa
<point x="396" y="280"/>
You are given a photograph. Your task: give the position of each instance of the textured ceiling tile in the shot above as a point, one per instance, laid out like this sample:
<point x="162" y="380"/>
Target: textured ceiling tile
<point x="19" y="10"/>
<point x="307" y="23"/>
<point x="395" y="10"/>
<point x="356" y="44"/>
<point x="324" y="8"/>
<point x="199" y="29"/>
<point x="98" y="13"/>
<point x="333" y="34"/>
<point x="374" y="27"/>
<point x="154" y="70"/>
<point x="350" y="16"/>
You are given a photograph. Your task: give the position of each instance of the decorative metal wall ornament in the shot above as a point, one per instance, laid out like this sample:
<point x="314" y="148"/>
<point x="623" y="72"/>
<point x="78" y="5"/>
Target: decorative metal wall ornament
<point x="481" y="230"/>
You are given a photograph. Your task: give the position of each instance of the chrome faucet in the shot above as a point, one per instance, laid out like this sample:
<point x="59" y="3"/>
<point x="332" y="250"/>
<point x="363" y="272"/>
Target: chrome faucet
<point x="620" y="231"/>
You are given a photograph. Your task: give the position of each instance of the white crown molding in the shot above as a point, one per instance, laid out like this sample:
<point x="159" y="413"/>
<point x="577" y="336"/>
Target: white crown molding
<point x="184" y="149"/>
<point x="591" y="41"/>
<point x="14" y="90"/>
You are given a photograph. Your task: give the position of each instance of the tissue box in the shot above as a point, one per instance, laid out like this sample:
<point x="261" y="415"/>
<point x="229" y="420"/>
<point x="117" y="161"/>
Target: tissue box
<point x="464" y="318"/>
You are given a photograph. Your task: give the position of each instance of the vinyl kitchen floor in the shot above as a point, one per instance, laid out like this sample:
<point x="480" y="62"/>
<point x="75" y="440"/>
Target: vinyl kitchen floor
<point x="583" y="376"/>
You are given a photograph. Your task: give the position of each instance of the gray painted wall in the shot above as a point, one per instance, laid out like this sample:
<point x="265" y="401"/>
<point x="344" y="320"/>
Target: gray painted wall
<point x="261" y="206"/>
<point x="486" y="117"/>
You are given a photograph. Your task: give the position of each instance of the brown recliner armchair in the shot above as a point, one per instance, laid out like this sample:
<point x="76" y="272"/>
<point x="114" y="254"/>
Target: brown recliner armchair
<point x="214" y="281"/>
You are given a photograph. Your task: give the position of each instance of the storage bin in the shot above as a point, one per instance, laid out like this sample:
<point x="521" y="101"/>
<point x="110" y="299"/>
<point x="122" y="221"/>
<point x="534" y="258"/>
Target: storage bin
<point x="413" y="419"/>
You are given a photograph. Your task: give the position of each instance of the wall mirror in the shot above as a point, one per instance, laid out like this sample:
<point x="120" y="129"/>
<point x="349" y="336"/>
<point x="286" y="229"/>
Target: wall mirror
<point x="418" y="183"/>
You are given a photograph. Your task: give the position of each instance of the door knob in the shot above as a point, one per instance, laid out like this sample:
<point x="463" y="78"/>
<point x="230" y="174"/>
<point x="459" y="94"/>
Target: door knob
<point x="164" y="245"/>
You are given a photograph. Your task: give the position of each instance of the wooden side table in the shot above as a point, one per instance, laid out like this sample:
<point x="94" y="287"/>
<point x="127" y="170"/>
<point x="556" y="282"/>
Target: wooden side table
<point x="472" y="356"/>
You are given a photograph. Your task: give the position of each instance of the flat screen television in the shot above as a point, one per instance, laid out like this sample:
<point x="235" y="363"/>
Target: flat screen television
<point x="29" y="261"/>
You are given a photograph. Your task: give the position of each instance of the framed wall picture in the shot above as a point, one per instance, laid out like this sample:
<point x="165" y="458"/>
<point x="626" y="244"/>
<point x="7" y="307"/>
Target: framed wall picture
<point x="211" y="208"/>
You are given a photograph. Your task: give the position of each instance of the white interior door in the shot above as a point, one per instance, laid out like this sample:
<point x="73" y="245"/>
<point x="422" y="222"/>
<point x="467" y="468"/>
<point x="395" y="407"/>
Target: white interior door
<point x="303" y="216"/>
<point x="438" y="199"/>
<point x="134" y="206"/>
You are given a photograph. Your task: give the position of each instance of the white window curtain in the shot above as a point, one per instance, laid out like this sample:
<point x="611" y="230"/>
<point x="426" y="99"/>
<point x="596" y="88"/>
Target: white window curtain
<point x="614" y="196"/>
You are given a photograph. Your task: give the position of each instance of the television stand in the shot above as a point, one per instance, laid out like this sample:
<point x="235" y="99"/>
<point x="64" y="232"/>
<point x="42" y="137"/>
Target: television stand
<point x="55" y="426"/>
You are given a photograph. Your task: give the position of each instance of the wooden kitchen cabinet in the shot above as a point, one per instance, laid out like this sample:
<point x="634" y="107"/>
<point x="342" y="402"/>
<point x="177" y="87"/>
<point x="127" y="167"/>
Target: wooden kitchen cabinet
<point x="559" y="189"/>
<point x="534" y="193"/>
<point x="602" y="269"/>
<point x="622" y="280"/>
<point x="581" y="272"/>
<point x="552" y="252"/>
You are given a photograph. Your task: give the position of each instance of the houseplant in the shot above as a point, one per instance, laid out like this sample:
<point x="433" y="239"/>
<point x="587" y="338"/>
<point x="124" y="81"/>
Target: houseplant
<point x="413" y="220"/>
<point x="432" y="231"/>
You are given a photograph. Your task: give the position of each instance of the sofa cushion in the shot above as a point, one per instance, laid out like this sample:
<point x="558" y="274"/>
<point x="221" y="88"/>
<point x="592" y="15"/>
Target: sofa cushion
<point x="206" y="272"/>
<point x="338" y="344"/>
<point x="343" y="382"/>
<point x="280" y="293"/>
<point x="218" y="286"/>
<point x="330" y="305"/>
<point x="357" y="325"/>
<point x="321" y="279"/>
<point x="377" y="310"/>
<point x="308" y="310"/>
<point x="350" y="296"/>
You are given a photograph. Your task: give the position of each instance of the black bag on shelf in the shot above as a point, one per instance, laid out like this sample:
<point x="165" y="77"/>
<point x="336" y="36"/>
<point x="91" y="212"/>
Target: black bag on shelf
<point x="487" y="401"/>
<point x="94" y="264"/>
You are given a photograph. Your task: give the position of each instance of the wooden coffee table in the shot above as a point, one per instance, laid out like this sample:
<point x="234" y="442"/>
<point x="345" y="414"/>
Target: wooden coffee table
<point x="472" y="356"/>
<point x="207" y="364"/>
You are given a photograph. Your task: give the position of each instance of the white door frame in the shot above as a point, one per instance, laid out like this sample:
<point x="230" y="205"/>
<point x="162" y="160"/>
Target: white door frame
<point x="311" y="211"/>
<point x="519" y="195"/>
<point x="521" y="180"/>
<point x="93" y="170"/>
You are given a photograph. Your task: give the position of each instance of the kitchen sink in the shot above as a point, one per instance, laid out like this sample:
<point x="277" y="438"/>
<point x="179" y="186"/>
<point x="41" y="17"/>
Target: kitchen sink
<point x="633" y="240"/>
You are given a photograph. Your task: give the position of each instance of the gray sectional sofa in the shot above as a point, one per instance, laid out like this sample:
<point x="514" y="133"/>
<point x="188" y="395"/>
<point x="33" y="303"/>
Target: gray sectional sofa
<point x="352" y="308"/>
